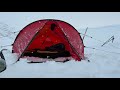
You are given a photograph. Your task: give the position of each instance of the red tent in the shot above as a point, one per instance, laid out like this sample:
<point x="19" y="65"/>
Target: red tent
<point x="48" y="32"/>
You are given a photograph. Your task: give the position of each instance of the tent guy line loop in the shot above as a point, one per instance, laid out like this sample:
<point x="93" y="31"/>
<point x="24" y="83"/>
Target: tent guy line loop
<point x="101" y="50"/>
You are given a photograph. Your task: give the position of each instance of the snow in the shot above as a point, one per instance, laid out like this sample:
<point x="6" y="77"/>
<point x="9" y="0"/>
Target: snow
<point x="104" y="61"/>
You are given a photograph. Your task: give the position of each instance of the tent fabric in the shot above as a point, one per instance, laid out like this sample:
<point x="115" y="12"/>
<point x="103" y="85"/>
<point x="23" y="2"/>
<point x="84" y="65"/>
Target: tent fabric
<point x="45" y="33"/>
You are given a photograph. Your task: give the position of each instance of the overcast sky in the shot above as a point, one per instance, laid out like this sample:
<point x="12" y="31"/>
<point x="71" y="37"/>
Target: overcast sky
<point x="77" y="19"/>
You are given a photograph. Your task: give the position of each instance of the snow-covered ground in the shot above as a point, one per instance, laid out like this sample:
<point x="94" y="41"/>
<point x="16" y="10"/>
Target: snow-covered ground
<point x="104" y="61"/>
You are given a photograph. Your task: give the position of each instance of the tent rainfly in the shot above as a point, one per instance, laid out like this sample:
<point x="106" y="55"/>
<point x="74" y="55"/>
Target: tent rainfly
<point x="49" y="39"/>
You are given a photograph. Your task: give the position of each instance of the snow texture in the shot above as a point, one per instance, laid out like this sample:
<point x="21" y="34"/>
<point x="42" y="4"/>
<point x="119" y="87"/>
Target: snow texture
<point x="101" y="62"/>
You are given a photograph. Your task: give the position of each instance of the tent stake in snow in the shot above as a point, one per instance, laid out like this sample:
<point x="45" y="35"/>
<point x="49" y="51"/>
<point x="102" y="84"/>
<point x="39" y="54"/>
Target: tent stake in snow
<point x="112" y="38"/>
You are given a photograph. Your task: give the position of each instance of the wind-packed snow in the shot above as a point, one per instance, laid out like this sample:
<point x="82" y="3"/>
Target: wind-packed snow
<point x="104" y="61"/>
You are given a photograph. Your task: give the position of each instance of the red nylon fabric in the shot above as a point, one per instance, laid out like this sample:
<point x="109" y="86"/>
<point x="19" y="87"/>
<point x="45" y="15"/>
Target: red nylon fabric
<point x="25" y="36"/>
<point x="74" y="39"/>
<point x="28" y="40"/>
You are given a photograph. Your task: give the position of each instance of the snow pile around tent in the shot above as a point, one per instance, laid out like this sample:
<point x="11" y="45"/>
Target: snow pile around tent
<point x="104" y="61"/>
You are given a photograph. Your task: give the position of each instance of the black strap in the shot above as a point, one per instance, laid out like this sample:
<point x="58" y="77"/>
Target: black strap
<point x="1" y="54"/>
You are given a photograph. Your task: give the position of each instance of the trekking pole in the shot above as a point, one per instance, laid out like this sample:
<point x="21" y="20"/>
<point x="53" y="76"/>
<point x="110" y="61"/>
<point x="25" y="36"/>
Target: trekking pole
<point x="112" y="38"/>
<point x="85" y="33"/>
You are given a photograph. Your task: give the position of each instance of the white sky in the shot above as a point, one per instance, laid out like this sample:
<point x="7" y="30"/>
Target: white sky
<point x="77" y="19"/>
